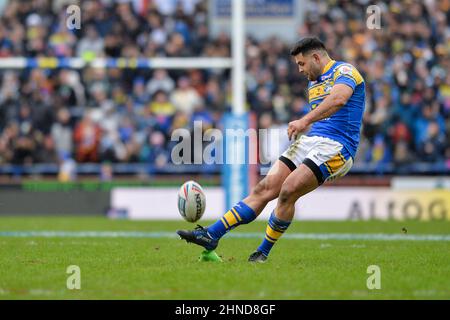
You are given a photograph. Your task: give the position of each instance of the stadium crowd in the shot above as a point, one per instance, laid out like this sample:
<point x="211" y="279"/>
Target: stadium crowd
<point x="128" y="115"/>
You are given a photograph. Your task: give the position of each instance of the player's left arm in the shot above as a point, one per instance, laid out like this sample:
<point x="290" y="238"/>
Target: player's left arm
<point x="338" y="97"/>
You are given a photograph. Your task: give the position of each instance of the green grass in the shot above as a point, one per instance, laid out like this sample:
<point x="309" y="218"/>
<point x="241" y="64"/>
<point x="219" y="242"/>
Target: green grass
<point x="167" y="268"/>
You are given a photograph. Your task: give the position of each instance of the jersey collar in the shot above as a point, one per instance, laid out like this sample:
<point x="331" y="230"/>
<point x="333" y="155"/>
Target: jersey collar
<point x="328" y="66"/>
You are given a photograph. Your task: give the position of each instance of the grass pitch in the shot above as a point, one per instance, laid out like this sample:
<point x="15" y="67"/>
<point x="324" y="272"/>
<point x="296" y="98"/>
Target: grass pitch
<point x="145" y="260"/>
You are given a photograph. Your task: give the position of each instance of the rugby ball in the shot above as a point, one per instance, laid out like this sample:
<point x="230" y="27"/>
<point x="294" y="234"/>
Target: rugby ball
<point x="191" y="201"/>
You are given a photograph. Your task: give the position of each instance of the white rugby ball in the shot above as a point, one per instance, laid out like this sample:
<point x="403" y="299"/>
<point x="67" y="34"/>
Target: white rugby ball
<point x="191" y="201"/>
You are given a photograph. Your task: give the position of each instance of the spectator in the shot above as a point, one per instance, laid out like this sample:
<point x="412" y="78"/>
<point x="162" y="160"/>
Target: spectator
<point x="140" y="95"/>
<point x="162" y="109"/>
<point x="91" y="45"/>
<point x="61" y="133"/>
<point x="46" y="153"/>
<point x="185" y="98"/>
<point x="160" y="81"/>
<point x="129" y="142"/>
<point x="154" y="151"/>
<point x="87" y="140"/>
<point x="433" y="146"/>
<point x="204" y="116"/>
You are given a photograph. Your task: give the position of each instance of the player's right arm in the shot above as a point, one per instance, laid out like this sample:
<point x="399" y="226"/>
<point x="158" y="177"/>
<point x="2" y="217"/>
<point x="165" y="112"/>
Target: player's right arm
<point x="338" y="97"/>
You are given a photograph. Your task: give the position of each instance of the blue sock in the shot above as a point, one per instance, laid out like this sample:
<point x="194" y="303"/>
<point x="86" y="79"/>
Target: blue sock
<point x="275" y="229"/>
<point x="239" y="214"/>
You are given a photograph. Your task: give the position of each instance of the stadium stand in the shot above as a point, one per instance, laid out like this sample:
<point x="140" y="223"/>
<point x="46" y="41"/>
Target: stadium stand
<point x="126" y="116"/>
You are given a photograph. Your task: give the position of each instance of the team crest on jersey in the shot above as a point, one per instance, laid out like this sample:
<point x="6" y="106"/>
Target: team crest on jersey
<point x="345" y="70"/>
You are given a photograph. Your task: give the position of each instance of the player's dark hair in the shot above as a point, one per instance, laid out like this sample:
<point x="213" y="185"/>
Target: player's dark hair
<point x="306" y="45"/>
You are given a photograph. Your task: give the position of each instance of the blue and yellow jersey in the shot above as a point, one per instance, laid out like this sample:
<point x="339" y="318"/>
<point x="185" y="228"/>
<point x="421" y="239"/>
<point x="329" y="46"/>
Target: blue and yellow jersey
<point x="344" y="125"/>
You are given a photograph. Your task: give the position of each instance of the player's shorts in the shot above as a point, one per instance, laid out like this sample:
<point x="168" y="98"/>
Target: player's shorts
<point x="328" y="159"/>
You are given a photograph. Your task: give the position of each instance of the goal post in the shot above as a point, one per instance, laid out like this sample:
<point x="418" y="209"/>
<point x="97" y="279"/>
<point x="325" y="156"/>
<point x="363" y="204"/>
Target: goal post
<point x="235" y="175"/>
<point x="238" y="55"/>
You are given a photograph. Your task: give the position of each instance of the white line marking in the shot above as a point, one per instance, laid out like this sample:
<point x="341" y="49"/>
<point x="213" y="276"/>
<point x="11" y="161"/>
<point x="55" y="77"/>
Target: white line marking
<point x="248" y="235"/>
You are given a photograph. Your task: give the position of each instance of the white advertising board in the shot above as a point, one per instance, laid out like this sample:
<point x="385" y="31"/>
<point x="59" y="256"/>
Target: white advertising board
<point x="327" y="203"/>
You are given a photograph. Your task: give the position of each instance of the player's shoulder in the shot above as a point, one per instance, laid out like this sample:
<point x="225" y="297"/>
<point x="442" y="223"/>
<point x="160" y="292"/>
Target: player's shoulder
<point x="342" y="68"/>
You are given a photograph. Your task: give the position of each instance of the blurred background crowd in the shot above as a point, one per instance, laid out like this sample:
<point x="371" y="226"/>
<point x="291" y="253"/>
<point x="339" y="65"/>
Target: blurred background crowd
<point x="128" y="115"/>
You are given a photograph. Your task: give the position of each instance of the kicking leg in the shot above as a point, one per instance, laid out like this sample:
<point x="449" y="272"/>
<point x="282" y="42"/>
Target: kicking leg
<point x="242" y="213"/>
<point x="249" y="208"/>
<point x="300" y="182"/>
<point x="268" y="188"/>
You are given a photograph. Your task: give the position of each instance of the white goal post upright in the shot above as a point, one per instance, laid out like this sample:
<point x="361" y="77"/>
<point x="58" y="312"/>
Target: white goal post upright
<point x="235" y="172"/>
<point x="238" y="55"/>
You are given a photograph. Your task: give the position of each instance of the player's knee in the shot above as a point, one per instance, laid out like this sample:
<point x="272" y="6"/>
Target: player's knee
<point x="263" y="191"/>
<point x="287" y="193"/>
<point x="260" y="189"/>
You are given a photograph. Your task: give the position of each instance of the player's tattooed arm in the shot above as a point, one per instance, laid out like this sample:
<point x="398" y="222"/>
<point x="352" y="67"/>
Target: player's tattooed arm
<point x="338" y="97"/>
